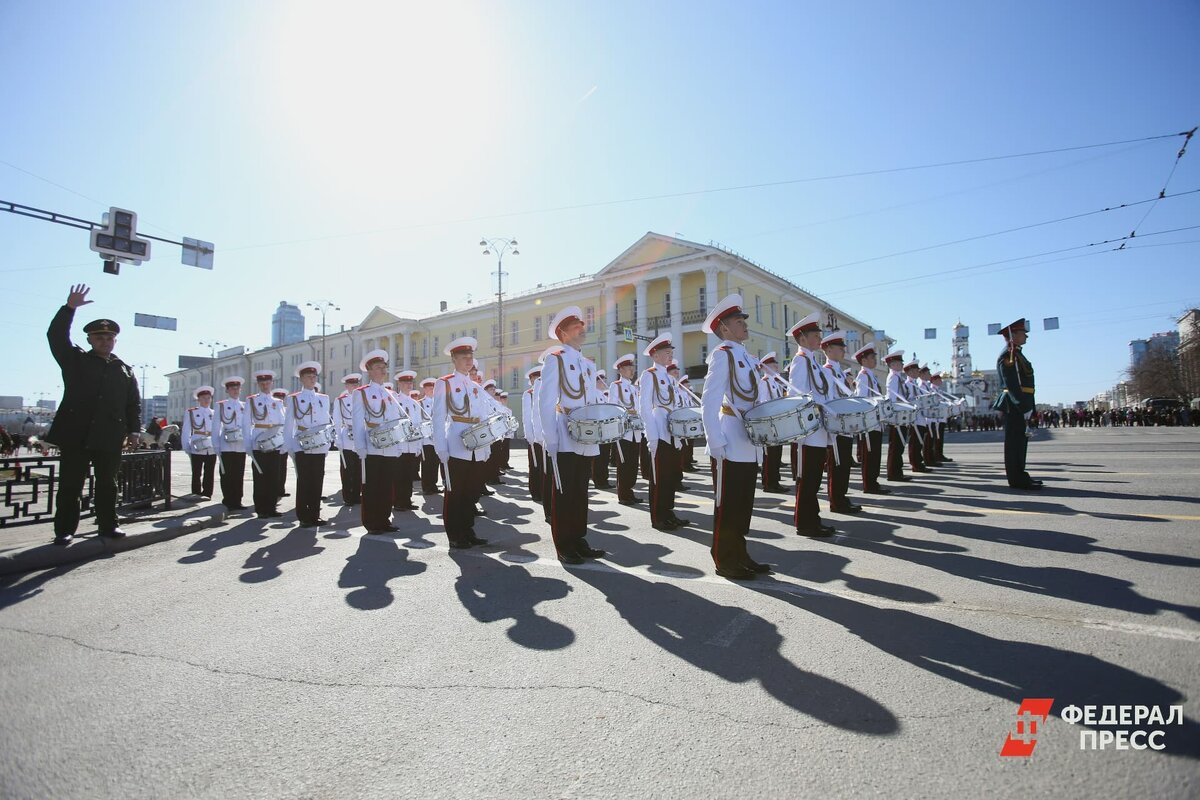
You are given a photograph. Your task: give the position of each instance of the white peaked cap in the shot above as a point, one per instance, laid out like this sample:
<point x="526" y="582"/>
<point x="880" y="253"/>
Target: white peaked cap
<point x="371" y="356"/>
<point x="352" y="376"/>
<point x="769" y="358"/>
<point x="429" y="382"/>
<point x="662" y="340"/>
<point x="834" y="337"/>
<point x="264" y="374"/>
<point x="864" y="351"/>
<point x="628" y="358"/>
<point x="567" y="314"/>
<point x="406" y="373"/>
<point x="308" y="365"/>
<point x="892" y="356"/>
<point x="811" y="322"/>
<point x="200" y="389"/>
<point x="728" y="307"/>
<point x="462" y="343"/>
<point x="530" y="373"/>
<point x="489" y="382"/>
<point x="232" y="379"/>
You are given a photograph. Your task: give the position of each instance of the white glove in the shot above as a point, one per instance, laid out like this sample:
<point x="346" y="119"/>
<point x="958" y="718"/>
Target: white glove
<point x="717" y="452"/>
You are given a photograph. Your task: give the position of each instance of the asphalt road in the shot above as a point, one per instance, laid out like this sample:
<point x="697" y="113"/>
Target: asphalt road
<point x="271" y="661"/>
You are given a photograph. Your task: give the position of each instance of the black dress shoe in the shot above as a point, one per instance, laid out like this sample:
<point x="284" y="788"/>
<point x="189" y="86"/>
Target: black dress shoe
<point x="391" y="529"/>
<point x="878" y="490"/>
<point x="921" y="469"/>
<point x="115" y="533"/>
<point x="680" y="523"/>
<point x="848" y="508"/>
<point x="458" y="545"/>
<point x="286" y="494"/>
<point x="404" y="508"/>
<point x="587" y="551"/>
<point x="738" y="573"/>
<point x="776" y="490"/>
<point x="479" y="512"/>
<point x="476" y="541"/>
<point x="818" y="531"/>
<point x="756" y="567"/>
<point x="1036" y="482"/>
<point x="270" y="514"/>
<point x="1033" y="487"/>
<point x="900" y="479"/>
<point x="319" y="521"/>
<point x="665" y="527"/>
<point x="235" y="508"/>
<point x="947" y="458"/>
<point x="570" y="558"/>
<point x="306" y="524"/>
<point x="487" y="492"/>
<point x="63" y="538"/>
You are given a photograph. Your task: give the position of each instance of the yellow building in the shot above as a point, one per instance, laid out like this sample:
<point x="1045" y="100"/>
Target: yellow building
<point x="660" y="283"/>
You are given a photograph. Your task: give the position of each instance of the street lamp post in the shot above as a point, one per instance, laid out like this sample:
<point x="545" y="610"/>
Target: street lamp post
<point x="323" y="306"/>
<point x="499" y="245"/>
<point x="143" y="368"/>
<point x="212" y="361"/>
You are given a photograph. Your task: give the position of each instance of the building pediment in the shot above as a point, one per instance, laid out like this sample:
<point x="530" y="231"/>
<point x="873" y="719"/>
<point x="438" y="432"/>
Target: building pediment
<point x="379" y="318"/>
<point x="654" y="249"/>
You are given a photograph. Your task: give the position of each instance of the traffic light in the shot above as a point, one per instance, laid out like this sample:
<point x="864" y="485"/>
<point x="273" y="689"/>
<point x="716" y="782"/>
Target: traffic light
<point x="118" y="240"/>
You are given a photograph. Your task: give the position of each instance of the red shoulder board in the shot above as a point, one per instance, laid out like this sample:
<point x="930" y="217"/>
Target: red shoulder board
<point x="446" y="377"/>
<point x="722" y="347"/>
<point x="362" y="388"/>
<point x="295" y="394"/>
<point x="827" y="366"/>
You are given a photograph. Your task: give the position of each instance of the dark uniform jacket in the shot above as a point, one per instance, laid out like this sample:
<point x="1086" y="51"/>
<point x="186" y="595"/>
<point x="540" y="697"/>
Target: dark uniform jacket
<point x="1016" y="381"/>
<point x="101" y="403"/>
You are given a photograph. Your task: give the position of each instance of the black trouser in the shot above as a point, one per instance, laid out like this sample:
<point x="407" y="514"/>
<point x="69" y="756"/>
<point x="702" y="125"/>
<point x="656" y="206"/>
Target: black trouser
<point x="808" y="485"/>
<point x="686" y="459"/>
<point x="402" y="485"/>
<point x="233" y="476"/>
<point x="491" y="467"/>
<point x="310" y="477"/>
<point x="569" y="508"/>
<point x="795" y="460"/>
<point x="600" y="466"/>
<point x="731" y="520"/>
<point x="430" y="465"/>
<point x="837" y="464"/>
<point x="644" y="460"/>
<point x="667" y="475"/>
<point x="895" y="464"/>
<point x="929" y="448"/>
<point x="202" y="473"/>
<point x="547" y="485"/>
<point x="772" y="463"/>
<point x="506" y="452"/>
<point x="535" y="471"/>
<point x="941" y="441"/>
<point x="458" y="501"/>
<point x="627" y="468"/>
<point x="266" y="480"/>
<point x="916" y="434"/>
<point x="351" y="470"/>
<point x="281" y="475"/>
<point x="377" y="492"/>
<point x="1016" y="447"/>
<point x="73" y="470"/>
<point x="870" y="454"/>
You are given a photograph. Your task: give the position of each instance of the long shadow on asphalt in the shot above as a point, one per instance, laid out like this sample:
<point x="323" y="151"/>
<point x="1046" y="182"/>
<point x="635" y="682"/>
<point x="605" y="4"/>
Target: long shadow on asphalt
<point x="19" y="588"/>
<point x="377" y="561"/>
<point x="1010" y="670"/>
<point x="206" y="548"/>
<point x="877" y="536"/>
<point x="492" y="591"/>
<point x="265" y="562"/>
<point x="700" y="632"/>
<point x="628" y="552"/>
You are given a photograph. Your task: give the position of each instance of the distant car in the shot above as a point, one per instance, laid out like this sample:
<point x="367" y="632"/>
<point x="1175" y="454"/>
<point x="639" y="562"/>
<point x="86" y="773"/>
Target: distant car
<point x="1162" y="404"/>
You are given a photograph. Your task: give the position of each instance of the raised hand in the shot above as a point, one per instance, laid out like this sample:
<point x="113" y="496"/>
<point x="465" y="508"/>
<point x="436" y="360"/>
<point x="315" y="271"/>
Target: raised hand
<point x="78" y="296"/>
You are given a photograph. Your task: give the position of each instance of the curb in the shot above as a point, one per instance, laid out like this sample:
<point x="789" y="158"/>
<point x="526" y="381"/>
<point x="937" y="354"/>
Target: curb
<point x="51" y="555"/>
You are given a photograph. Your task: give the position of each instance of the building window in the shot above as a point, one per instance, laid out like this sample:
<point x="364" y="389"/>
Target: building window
<point x="786" y="321"/>
<point x="589" y="316"/>
<point x="703" y="299"/>
<point x="667" y="304"/>
<point x="537" y="328"/>
<point x="515" y="338"/>
<point x="437" y="344"/>
<point x="703" y="354"/>
<point x="424" y="348"/>
<point x="757" y="308"/>
<point x="773" y="314"/>
<point x="495" y="336"/>
<point x="513" y="382"/>
<point x="474" y="333"/>
<point x="635" y="312"/>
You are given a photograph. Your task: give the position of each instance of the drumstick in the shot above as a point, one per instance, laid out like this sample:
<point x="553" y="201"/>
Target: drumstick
<point x="720" y="480"/>
<point x="557" y="477"/>
<point x="446" y="477"/>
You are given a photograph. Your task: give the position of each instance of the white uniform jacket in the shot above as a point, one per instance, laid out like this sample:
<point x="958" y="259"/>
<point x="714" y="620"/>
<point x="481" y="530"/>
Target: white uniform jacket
<point x="837" y="385"/>
<point x="806" y="376"/>
<point x="658" y="396"/>
<point x="897" y="387"/>
<point x="625" y="394"/>
<point x="374" y="406"/>
<point x="229" y="417"/>
<point x="343" y="420"/>
<point x="867" y="386"/>
<point x="426" y="404"/>
<point x="263" y="417"/>
<point x="733" y="386"/>
<point x="568" y="382"/>
<point x="458" y="404"/>
<point x="197" y="421"/>
<point x="529" y="416"/>
<point x="412" y="410"/>
<point x="915" y="391"/>
<point x="306" y="409"/>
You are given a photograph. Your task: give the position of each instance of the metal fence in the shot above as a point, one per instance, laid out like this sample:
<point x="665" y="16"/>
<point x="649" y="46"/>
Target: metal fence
<point x="31" y="484"/>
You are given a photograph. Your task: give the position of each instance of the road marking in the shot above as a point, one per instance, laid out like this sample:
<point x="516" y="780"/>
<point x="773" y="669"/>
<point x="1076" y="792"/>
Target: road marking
<point x="726" y="635"/>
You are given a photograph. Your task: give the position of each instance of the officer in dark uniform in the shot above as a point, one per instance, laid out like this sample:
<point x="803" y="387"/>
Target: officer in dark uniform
<point x="1015" y="402"/>
<point x="101" y="409"/>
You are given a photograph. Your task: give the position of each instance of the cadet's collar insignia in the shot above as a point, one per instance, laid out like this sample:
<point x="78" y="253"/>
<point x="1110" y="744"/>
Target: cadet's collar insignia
<point x="572" y="366"/>
<point x="740" y="364"/>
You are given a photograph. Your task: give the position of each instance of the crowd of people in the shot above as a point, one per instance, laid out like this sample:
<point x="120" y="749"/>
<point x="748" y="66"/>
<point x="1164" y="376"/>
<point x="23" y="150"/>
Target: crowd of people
<point x="1130" y="416"/>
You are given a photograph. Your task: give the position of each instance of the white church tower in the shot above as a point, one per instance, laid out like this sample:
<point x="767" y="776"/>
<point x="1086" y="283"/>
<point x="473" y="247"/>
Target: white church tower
<point x="960" y="361"/>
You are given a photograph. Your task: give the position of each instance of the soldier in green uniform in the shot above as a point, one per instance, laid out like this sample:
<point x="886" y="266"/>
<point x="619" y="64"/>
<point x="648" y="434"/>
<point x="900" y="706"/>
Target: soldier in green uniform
<point x="1015" y="402"/>
<point x="100" y="411"/>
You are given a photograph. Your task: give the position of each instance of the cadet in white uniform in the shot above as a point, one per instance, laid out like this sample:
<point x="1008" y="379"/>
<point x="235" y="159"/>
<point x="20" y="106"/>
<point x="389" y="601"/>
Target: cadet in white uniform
<point x="376" y="410"/>
<point x="624" y="392"/>
<point x="772" y="465"/>
<point x="262" y="434"/>
<point x="658" y="395"/>
<point x="841" y="451"/>
<point x="870" y="452"/>
<point x="197" y="439"/>
<point x="430" y="463"/>
<point x="281" y="396"/>
<point x="897" y="390"/>
<point x="568" y="383"/>
<point x="308" y="415"/>
<point x="409" y="467"/>
<point x="343" y="416"/>
<point x="807" y="376"/>
<point x="229" y="444"/>
<point x="917" y="434"/>
<point x="732" y="387"/>
<point x="459" y="404"/>
<point x="532" y="434"/>
<point x="930" y="450"/>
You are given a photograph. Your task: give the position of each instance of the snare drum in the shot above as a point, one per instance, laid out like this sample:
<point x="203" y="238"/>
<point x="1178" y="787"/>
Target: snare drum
<point x="886" y="410"/>
<point x="426" y="430"/>
<point x="599" y="423"/>
<point x="903" y="414"/>
<point x="635" y="424"/>
<point x="512" y="423"/>
<point x="269" y="440"/>
<point x="850" y="416"/>
<point x="315" y="438"/>
<point x="232" y="435"/>
<point x="928" y="404"/>
<point x="685" y="423"/>
<point x="483" y="434"/>
<point x="392" y="433"/>
<point x="782" y="420"/>
<point x="202" y="444"/>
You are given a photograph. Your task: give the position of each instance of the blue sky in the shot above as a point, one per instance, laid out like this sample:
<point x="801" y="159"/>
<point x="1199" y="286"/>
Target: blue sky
<point x="356" y="152"/>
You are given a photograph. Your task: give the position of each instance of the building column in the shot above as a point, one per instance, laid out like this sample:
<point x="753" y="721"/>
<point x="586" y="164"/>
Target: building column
<point x="640" y="294"/>
<point x="610" y="314"/>
<point x="676" y="289"/>
<point x="710" y="292"/>
<point x="407" y="334"/>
